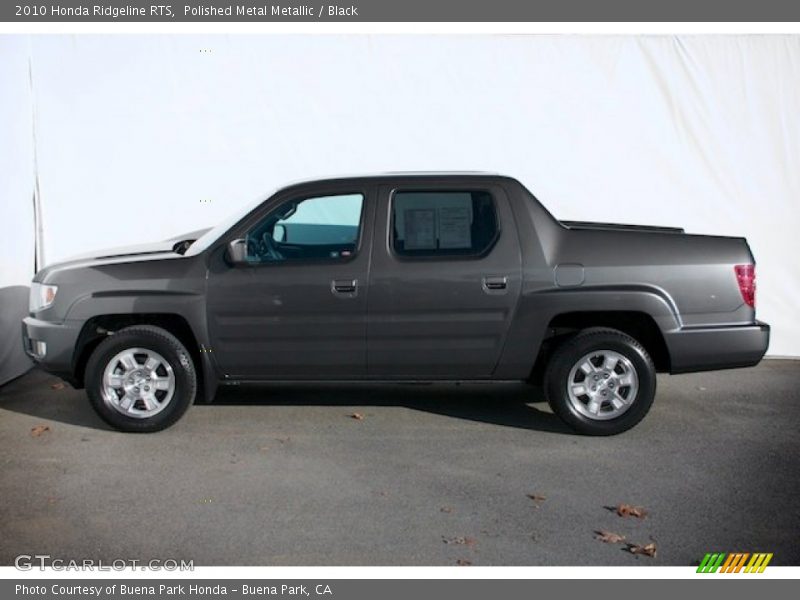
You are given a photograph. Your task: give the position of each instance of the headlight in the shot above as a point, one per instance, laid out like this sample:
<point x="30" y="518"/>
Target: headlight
<point x="42" y="296"/>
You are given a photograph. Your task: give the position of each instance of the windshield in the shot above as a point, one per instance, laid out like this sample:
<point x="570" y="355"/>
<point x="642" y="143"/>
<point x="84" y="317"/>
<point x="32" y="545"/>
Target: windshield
<point x="211" y="236"/>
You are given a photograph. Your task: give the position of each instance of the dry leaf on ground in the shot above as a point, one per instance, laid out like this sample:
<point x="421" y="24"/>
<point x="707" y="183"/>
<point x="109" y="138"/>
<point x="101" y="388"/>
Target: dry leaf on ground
<point x="628" y="510"/>
<point x="646" y="550"/>
<point x="39" y="430"/>
<point x="460" y="540"/>
<point x="537" y="499"/>
<point x="608" y="537"/>
<point x="357" y="416"/>
<point x="446" y="509"/>
<point x="59" y="385"/>
<point x="463" y="562"/>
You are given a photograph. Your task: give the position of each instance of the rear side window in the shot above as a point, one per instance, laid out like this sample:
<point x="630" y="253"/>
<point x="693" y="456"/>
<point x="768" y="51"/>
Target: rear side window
<point x="443" y="223"/>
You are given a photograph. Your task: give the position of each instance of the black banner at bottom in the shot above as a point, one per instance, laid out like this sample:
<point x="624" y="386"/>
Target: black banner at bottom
<point x="383" y="589"/>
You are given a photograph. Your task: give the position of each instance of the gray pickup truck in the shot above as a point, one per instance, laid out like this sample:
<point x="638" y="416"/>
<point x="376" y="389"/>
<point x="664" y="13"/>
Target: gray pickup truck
<point x="398" y="277"/>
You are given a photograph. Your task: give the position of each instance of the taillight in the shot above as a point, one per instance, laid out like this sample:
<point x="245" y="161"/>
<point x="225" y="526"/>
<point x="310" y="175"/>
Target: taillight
<point x="746" y="278"/>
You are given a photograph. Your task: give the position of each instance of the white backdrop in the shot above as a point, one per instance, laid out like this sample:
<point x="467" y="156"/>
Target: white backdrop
<point x="16" y="202"/>
<point x="142" y="137"/>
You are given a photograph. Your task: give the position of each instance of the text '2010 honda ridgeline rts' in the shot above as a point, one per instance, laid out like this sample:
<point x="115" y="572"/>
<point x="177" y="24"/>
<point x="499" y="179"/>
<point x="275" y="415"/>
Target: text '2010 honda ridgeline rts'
<point x="398" y="277"/>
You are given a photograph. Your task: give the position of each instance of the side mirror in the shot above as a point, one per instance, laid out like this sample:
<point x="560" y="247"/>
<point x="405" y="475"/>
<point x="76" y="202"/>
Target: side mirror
<point x="237" y="252"/>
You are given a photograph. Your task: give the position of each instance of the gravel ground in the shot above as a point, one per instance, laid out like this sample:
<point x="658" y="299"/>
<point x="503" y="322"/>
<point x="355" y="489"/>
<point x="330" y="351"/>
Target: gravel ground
<point x="429" y="475"/>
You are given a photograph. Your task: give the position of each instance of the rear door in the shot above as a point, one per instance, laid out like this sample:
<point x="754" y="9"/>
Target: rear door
<point x="298" y="310"/>
<point x="444" y="281"/>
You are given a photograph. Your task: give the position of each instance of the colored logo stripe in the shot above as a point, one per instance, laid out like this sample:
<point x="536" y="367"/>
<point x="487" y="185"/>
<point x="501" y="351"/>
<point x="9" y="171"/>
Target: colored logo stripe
<point x="711" y="563"/>
<point x="759" y="561"/>
<point x="734" y="562"/>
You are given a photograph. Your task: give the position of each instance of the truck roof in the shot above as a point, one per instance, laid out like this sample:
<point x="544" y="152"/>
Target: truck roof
<point x="399" y="175"/>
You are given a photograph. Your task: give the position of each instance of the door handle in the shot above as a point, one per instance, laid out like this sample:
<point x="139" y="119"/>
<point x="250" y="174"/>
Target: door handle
<point x="344" y="286"/>
<point x="495" y="283"/>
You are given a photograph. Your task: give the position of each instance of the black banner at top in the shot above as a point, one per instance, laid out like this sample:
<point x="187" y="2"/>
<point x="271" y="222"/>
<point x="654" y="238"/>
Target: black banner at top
<point x="400" y="10"/>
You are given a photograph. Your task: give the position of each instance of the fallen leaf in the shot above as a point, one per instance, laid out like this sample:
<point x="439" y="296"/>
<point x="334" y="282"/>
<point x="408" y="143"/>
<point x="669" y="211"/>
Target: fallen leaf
<point x="460" y="541"/>
<point x="628" y="510"/>
<point x="646" y="550"/>
<point x="357" y="416"/>
<point x="58" y="385"/>
<point x="608" y="537"/>
<point x="463" y="562"/>
<point x="39" y="430"/>
<point x="537" y="499"/>
<point x="446" y="509"/>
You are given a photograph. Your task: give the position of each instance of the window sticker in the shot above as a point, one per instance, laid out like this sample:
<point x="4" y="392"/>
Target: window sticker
<point x="420" y="229"/>
<point x="455" y="227"/>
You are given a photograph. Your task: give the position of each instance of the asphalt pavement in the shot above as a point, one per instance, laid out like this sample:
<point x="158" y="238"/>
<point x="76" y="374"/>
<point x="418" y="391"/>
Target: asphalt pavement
<point x="405" y="475"/>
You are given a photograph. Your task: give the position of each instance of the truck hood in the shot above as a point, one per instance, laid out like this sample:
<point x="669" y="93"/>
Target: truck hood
<point x="139" y="249"/>
<point x="150" y="251"/>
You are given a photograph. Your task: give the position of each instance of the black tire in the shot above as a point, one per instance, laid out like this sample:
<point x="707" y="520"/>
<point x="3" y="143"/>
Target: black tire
<point x="150" y="338"/>
<point x="567" y="355"/>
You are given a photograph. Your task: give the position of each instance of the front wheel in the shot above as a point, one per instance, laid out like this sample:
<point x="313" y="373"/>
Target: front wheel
<point x="141" y="379"/>
<point x="600" y="382"/>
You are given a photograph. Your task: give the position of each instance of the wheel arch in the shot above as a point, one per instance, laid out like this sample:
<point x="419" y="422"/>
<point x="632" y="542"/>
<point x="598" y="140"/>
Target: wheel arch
<point x="97" y="328"/>
<point x="638" y="324"/>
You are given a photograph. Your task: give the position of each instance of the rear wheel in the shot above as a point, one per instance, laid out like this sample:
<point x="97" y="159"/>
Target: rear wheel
<point x="600" y="382"/>
<point x="141" y="379"/>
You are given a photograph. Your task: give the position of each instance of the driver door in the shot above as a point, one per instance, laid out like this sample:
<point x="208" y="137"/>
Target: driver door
<point x="297" y="310"/>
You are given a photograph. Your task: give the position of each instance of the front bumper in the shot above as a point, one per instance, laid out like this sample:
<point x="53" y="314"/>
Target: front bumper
<point x="58" y="342"/>
<point x="710" y="348"/>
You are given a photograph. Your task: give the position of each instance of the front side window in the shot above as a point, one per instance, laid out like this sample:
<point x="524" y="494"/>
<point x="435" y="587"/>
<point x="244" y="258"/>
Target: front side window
<point x="318" y="228"/>
<point x="445" y="223"/>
